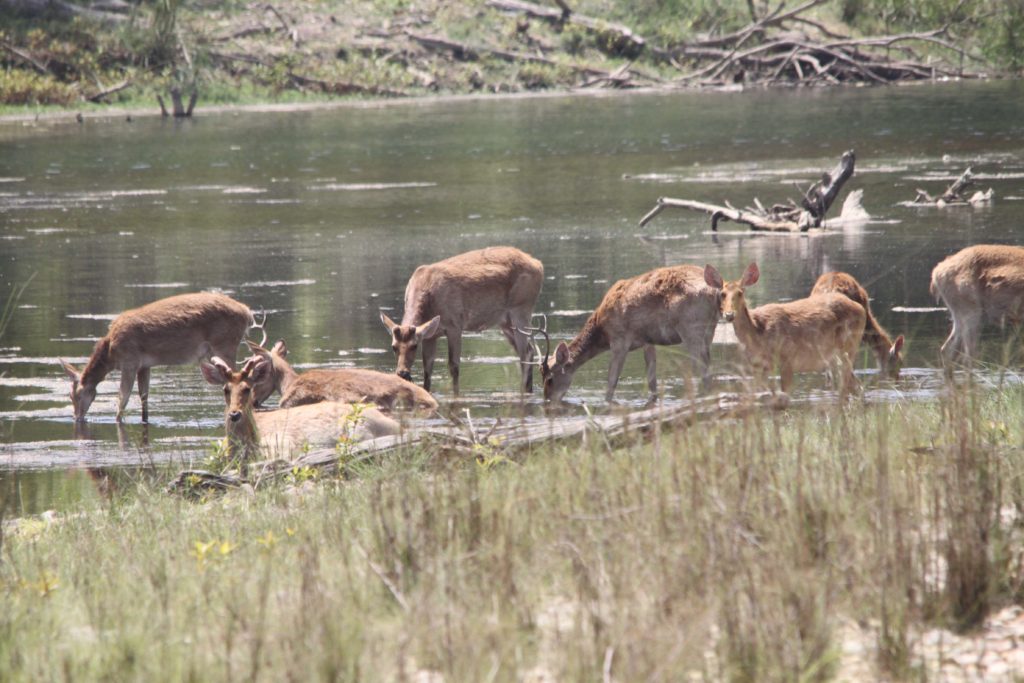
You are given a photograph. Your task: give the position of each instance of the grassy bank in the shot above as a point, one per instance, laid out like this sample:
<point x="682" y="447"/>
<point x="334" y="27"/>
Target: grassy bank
<point x="733" y="550"/>
<point x="59" y="55"/>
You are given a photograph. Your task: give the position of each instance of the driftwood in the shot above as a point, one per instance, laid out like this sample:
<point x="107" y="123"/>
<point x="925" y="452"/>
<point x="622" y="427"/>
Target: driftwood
<point x="497" y="442"/>
<point x="106" y="92"/>
<point x="180" y="110"/>
<point x="955" y="193"/>
<point x="779" y="218"/>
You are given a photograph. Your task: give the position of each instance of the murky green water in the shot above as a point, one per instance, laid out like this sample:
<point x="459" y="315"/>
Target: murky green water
<point x="320" y="218"/>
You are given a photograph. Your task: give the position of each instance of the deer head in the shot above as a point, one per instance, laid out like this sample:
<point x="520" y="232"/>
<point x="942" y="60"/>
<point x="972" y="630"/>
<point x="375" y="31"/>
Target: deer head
<point x="405" y="339"/>
<point x="731" y="291"/>
<point x="82" y="393"/>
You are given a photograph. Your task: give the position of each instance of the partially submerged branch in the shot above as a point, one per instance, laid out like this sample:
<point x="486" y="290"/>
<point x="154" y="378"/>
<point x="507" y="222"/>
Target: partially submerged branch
<point x="955" y="193"/>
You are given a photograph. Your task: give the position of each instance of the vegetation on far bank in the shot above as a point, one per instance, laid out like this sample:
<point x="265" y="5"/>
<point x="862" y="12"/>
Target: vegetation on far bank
<point x="735" y="549"/>
<point x="74" y="54"/>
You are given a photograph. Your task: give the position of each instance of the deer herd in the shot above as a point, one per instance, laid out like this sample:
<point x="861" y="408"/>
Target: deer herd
<point x="498" y="287"/>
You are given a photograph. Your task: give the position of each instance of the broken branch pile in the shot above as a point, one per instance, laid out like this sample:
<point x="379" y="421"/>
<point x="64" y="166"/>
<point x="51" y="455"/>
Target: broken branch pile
<point x="955" y="193"/>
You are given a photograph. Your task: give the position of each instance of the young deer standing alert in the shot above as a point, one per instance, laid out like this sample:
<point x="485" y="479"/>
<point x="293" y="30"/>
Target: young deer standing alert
<point x="280" y="433"/>
<point x="497" y="286"/>
<point x="887" y="351"/>
<point x="351" y="385"/>
<point x="663" y="307"/>
<point x="983" y="283"/>
<point x="173" y="331"/>
<point x="799" y="336"/>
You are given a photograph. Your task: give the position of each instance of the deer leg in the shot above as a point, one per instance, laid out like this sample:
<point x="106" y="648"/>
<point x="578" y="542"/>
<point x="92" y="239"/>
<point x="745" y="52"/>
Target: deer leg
<point x="454" y="353"/>
<point x="127" y="382"/>
<point x="650" y="362"/>
<point x="849" y="380"/>
<point x="785" y="377"/>
<point x="429" y="348"/>
<point x="521" y="343"/>
<point x="618" y="359"/>
<point x="143" y="377"/>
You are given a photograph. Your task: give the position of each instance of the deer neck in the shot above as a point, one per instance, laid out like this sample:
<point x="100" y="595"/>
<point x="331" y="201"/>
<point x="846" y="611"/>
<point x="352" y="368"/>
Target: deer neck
<point x="99" y="365"/>
<point x="418" y="309"/>
<point x="743" y="323"/>
<point x="286" y="375"/>
<point x="591" y="341"/>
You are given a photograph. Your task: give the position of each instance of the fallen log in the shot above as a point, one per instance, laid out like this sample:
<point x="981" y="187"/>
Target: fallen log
<point x="497" y="441"/>
<point x="954" y="194"/>
<point x="779" y="218"/>
<point x="626" y="44"/>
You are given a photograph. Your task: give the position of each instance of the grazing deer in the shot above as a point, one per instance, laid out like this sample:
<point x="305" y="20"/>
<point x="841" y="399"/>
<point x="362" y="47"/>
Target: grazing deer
<point x="663" y="307"/>
<point x="798" y="336"/>
<point x="279" y="433"/>
<point x="173" y="331"/>
<point x="351" y="385"/>
<point x="888" y="352"/>
<point x="983" y="283"/>
<point x="497" y="286"/>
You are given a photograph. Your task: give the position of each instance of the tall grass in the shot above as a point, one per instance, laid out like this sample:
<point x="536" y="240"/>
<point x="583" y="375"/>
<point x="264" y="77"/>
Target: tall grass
<point x="726" y="551"/>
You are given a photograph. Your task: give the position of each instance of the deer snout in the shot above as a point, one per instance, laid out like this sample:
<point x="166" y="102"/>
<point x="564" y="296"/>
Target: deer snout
<point x="729" y="315"/>
<point x="405" y="374"/>
<point x="235" y="415"/>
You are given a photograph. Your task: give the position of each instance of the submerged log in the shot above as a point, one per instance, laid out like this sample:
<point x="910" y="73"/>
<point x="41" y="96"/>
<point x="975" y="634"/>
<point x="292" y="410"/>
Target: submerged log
<point x="179" y="108"/>
<point x="816" y="202"/>
<point x="955" y="193"/>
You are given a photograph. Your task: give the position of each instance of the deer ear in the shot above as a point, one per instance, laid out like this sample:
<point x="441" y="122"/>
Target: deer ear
<point x="214" y="374"/>
<point x="429" y="329"/>
<point x="561" y="353"/>
<point x="388" y="322"/>
<point x="260" y="371"/>
<point x="74" y="373"/>
<point x="712" y="277"/>
<point x="279" y="349"/>
<point x="255" y="348"/>
<point x="897" y="345"/>
<point x="750" y="275"/>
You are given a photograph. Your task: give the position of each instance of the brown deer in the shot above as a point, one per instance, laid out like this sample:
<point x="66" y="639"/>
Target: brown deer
<point x="497" y="286"/>
<point x="806" y="335"/>
<point x="173" y="331"/>
<point x="351" y="385"/>
<point x="888" y="352"/>
<point x="663" y="307"/>
<point x="280" y="433"/>
<point x="983" y="283"/>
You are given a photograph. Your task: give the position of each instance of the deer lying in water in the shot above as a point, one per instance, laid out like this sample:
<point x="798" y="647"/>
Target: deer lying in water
<point x="334" y="384"/>
<point x="663" y="307"/>
<point x="798" y="336"/>
<point x="280" y="433"/>
<point x="173" y="331"/>
<point x="983" y="283"/>
<point x="888" y="352"/>
<point x="497" y="286"/>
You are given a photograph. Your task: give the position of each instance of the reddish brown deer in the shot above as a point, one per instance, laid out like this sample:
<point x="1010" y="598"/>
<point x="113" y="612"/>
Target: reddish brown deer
<point x="979" y="284"/>
<point x="173" y="331"/>
<point x="497" y="286"/>
<point x="280" y="433"/>
<point x="806" y="335"/>
<point x="888" y="352"/>
<point x="663" y="307"/>
<point x="351" y="385"/>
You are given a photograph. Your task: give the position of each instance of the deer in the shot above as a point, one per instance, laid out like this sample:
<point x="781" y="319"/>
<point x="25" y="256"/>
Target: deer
<point x="979" y="284"/>
<point x="470" y="292"/>
<point x="805" y="335"/>
<point x="887" y="351"/>
<point x="385" y="390"/>
<point x="177" y="330"/>
<point x="663" y="307"/>
<point x="280" y="433"/>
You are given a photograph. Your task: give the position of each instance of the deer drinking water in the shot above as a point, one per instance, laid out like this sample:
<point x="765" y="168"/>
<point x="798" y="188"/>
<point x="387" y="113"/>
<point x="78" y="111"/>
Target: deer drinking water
<point x="280" y="433"/>
<point x="806" y="335"/>
<point x="983" y="283"/>
<point x="177" y="330"/>
<point x="663" y="307"/>
<point x="334" y="384"/>
<point x="888" y="352"/>
<point x="497" y="286"/>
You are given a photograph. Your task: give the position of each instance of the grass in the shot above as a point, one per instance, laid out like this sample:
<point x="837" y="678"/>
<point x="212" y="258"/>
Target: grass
<point x="730" y="550"/>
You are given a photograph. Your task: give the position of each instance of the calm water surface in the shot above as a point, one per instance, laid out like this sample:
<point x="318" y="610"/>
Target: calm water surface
<point x="320" y="217"/>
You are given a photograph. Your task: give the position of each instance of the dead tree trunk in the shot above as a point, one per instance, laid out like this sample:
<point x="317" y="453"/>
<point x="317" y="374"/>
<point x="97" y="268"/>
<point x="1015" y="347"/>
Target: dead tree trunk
<point x="179" y="108"/>
<point x="779" y="218"/>
<point x="955" y="193"/>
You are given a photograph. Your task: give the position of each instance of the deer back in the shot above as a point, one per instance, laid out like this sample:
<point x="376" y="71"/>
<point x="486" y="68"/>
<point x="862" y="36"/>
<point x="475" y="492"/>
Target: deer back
<point x="985" y="279"/>
<point x="807" y="333"/>
<point x="385" y="390"/>
<point x="285" y="432"/>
